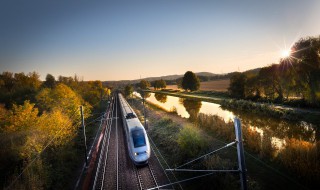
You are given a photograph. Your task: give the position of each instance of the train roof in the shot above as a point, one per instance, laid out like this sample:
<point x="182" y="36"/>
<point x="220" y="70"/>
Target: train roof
<point x="128" y="111"/>
<point x="134" y="124"/>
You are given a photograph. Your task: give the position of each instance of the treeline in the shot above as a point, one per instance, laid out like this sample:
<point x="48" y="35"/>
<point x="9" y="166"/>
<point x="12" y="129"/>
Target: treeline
<point x="37" y="116"/>
<point x="294" y="80"/>
<point x="144" y="85"/>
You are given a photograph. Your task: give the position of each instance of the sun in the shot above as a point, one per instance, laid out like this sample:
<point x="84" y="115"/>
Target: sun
<point x="285" y="53"/>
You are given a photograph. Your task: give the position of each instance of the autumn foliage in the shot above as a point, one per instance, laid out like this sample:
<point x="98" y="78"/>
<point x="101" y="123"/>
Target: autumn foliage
<point x="39" y="124"/>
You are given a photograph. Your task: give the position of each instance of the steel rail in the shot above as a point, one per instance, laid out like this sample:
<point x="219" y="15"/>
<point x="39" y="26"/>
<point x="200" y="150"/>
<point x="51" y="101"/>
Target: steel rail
<point x="103" y="144"/>
<point x="164" y="162"/>
<point x="107" y="151"/>
<point x="117" y="144"/>
<point x="153" y="176"/>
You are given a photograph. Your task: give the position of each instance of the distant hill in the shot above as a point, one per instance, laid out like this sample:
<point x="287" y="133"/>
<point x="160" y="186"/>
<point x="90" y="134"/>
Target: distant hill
<point x="204" y="76"/>
<point x="150" y="79"/>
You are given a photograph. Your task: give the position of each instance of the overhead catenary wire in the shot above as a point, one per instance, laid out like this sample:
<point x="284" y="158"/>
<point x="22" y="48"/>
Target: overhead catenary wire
<point x="164" y="161"/>
<point x="105" y="114"/>
<point x="39" y="154"/>
<point x="106" y="135"/>
<point x="227" y="145"/>
<point x="45" y="147"/>
<point x="181" y="181"/>
<point x="268" y="166"/>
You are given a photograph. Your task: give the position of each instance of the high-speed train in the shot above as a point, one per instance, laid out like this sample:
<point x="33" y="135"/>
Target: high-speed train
<point x="136" y="136"/>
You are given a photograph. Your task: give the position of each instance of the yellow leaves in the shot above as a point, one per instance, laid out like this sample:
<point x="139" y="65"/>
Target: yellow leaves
<point x="21" y="117"/>
<point x="57" y="125"/>
<point x="36" y="131"/>
<point x="63" y="98"/>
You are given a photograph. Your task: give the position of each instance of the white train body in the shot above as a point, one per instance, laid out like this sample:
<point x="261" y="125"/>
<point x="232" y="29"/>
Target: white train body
<point x="136" y="136"/>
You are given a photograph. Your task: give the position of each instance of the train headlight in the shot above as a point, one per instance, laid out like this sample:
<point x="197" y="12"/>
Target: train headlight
<point x="136" y="154"/>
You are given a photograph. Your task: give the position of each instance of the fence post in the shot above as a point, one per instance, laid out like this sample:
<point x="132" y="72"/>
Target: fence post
<point x="240" y="152"/>
<point x="84" y="134"/>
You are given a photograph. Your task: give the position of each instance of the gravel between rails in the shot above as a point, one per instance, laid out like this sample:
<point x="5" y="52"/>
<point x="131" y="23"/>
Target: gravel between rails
<point x="128" y="174"/>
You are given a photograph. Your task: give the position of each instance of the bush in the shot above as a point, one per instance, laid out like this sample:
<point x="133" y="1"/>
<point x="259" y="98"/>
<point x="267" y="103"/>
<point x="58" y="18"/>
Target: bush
<point x="191" y="142"/>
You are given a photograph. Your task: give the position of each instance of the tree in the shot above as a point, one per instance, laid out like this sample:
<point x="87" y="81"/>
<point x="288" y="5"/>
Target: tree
<point x="307" y="54"/>
<point x="50" y="81"/>
<point x="162" y="84"/>
<point x="270" y="78"/>
<point x="252" y="87"/>
<point x="237" y="85"/>
<point x="190" y="81"/>
<point x="159" y="84"/>
<point x="62" y="98"/>
<point x="144" y="84"/>
<point x="128" y="90"/>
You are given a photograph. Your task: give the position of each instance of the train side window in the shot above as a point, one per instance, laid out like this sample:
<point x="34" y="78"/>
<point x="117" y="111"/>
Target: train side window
<point x="138" y="138"/>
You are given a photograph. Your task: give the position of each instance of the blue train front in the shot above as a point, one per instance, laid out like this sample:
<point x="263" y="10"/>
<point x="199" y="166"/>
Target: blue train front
<point x="136" y="136"/>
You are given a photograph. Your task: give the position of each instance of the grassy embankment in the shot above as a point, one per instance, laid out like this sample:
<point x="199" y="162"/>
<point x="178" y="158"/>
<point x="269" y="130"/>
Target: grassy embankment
<point x="214" y="85"/>
<point x="175" y="136"/>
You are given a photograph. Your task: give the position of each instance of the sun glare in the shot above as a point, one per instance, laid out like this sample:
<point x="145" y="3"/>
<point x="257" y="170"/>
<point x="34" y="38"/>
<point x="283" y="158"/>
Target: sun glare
<point x="285" y="53"/>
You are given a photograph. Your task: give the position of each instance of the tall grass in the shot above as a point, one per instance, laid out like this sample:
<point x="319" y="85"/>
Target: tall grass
<point x="300" y="157"/>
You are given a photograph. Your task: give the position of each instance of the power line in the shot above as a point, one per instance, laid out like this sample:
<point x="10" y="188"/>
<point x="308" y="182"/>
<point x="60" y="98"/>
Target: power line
<point x="55" y="136"/>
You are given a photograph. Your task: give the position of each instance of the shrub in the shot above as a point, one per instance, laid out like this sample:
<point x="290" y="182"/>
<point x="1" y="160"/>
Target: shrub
<point x="191" y="141"/>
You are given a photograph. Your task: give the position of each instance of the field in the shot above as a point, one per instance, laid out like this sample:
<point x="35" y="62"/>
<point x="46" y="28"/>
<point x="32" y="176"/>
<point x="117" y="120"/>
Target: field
<point x="216" y="85"/>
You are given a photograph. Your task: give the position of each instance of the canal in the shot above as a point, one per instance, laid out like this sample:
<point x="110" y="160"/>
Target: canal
<point x="278" y="130"/>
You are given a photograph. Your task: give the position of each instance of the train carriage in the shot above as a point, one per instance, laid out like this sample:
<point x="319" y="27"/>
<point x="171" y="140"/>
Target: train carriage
<point x="136" y="136"/>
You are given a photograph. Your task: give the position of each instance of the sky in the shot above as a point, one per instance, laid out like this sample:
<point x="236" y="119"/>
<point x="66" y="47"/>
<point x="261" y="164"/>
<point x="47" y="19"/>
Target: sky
<point x="124" y="40"/>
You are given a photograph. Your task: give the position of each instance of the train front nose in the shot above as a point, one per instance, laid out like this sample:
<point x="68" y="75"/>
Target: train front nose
<point x="141" y="157"/>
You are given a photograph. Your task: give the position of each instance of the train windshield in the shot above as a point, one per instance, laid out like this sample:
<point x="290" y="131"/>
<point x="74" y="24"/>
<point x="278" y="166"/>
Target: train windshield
<point x="138" y="138"/>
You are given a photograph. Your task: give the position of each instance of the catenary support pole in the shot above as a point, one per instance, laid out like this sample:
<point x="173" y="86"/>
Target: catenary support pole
<point x="144" y="110"/>
<point x="240" y="151"/>
<point x="84" y="135"/>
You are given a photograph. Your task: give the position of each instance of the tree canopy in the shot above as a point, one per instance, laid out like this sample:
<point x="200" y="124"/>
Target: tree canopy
<point x="128" y="90"/>
<point x="144" y="84"/>
<point x="297" y="76"/>
<point x="159" y="84"/>
<point x="190" y="81"/>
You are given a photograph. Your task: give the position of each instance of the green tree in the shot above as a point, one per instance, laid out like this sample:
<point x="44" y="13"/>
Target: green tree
<point x="252" y="87"/>
<point x="307" y="56"/>
<point x="128" y="90"/>
<point x="270" y="79"/>
<point x="50" y="81"/>
<point x="159" y="84"/>
<point x="190" y="81"/>
<point x="144" y="84"/>
<point x="237" y="85"/>
<point x="162" y="84"/>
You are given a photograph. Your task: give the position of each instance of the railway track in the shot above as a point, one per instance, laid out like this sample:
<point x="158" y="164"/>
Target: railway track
<point x="146" y="177"/>
<point x="115" y="169"/>
<point x="99" y="179"/>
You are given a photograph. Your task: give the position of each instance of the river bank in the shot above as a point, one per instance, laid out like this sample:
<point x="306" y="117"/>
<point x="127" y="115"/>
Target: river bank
<point x="268" y="109"/>
<point x="260" y="160"/>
